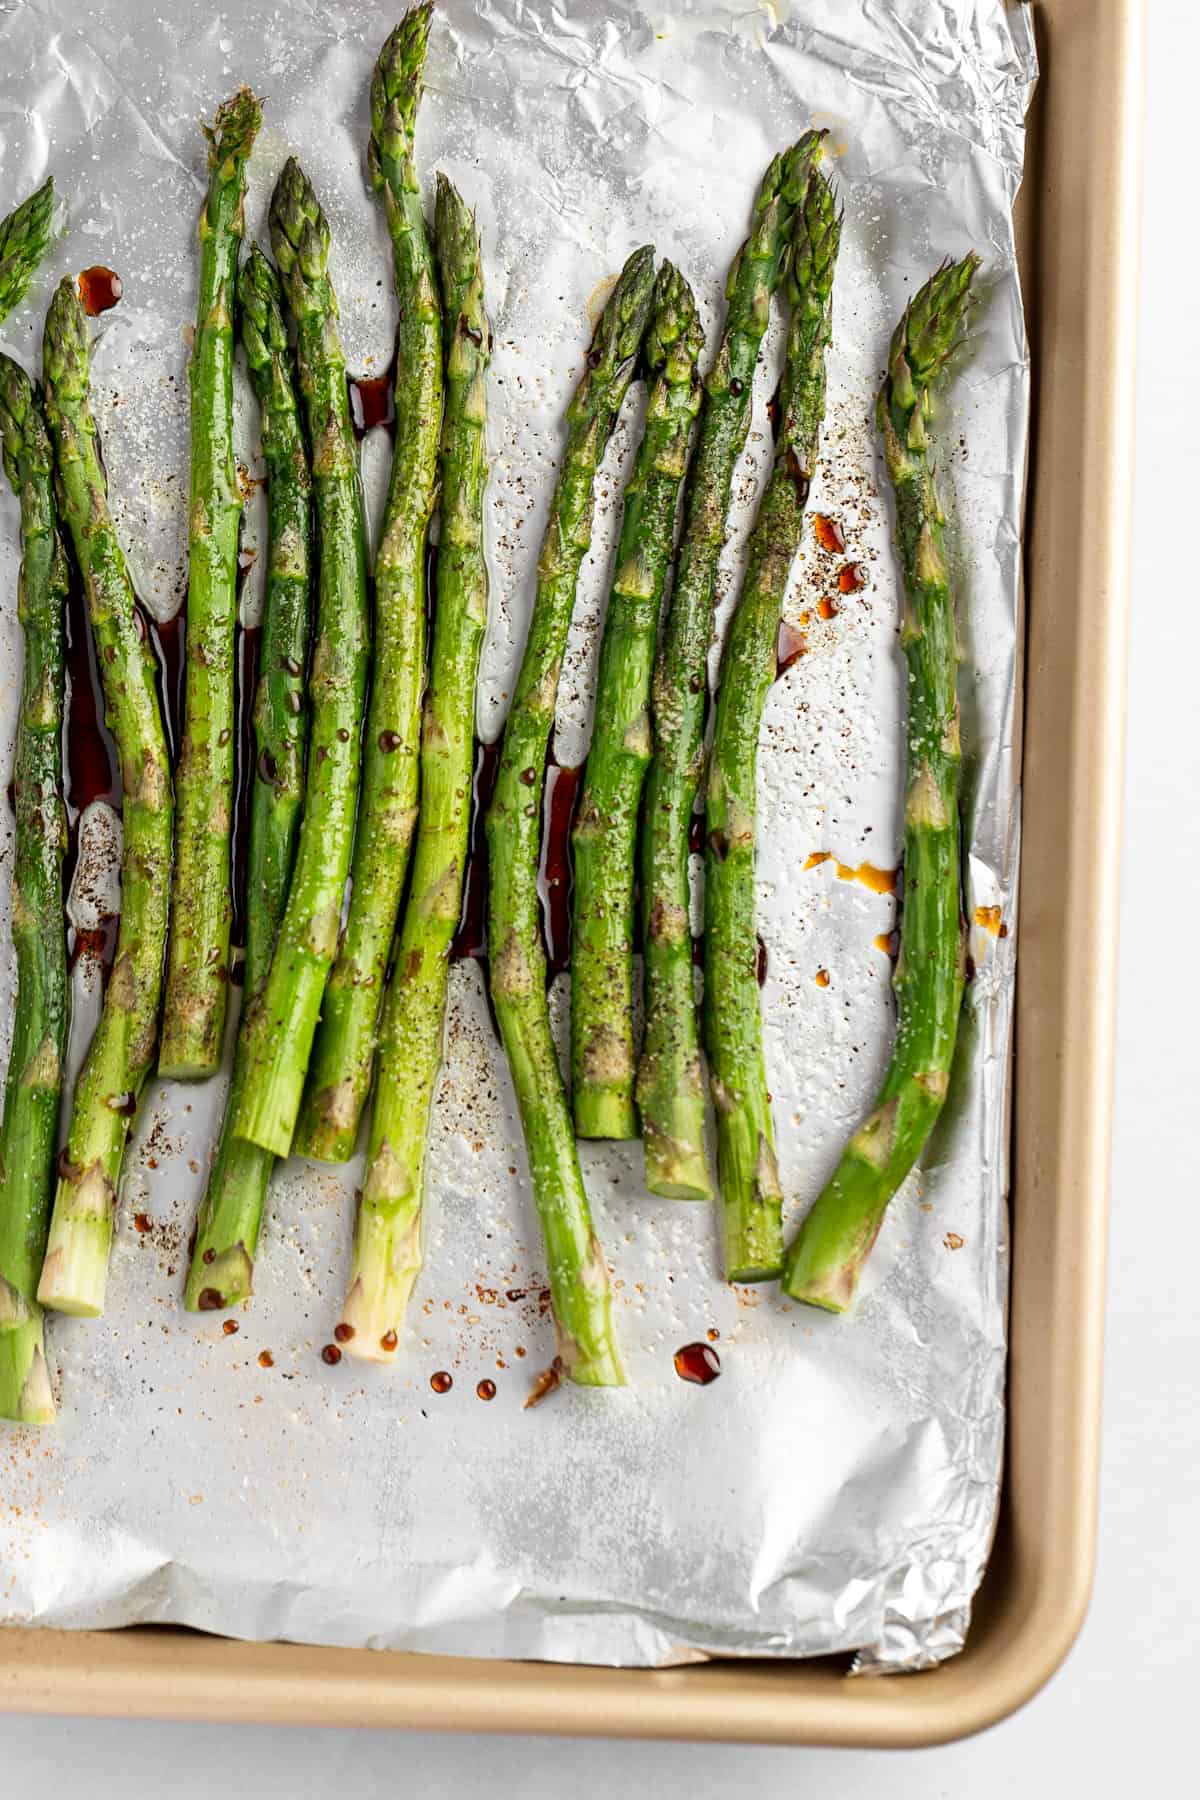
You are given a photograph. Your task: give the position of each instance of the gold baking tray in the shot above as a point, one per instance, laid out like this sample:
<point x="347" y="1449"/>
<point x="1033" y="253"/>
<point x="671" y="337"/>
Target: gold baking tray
<point x="1079" y="257"/>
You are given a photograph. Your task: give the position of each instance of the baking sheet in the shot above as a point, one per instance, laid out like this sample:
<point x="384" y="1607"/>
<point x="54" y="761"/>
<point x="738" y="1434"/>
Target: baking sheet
<point x="836" y="1488"/>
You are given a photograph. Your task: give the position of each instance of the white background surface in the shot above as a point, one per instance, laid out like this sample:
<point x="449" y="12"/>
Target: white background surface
<point x="1121" y="1719"/>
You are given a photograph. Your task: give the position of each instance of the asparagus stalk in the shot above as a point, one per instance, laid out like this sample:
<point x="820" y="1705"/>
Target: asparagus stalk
<point x="825" y="1260"/>
<point x="603" y="1057"/>
<point x="751" y="1196"/>
<point x="340" y="1074"/>
<point x="198" y="952"/>
<point x="24" y="240"/>
<point x="579" y="1290"/>
<point x="29" y="1132"/>
<point x="222" y="1268"/>
<point x="387" y="1244"/>
<point x="75" y="1272"/>
<point x="670" y="1082"/>
<point x="278" y="1032"/>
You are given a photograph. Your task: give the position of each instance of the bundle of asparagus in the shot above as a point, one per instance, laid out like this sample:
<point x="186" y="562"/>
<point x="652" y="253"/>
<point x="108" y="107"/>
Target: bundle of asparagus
<point x="317" y="995"/>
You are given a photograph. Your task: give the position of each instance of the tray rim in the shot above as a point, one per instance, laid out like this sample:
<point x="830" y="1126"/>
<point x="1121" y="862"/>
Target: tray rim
<point x="1080" y="266"/>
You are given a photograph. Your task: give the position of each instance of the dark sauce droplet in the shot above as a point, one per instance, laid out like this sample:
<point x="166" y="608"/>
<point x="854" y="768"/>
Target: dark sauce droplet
<point x="389" y="741"/>
<point x="230" y="1327"/>
<point x="343" y="1332"/>
<point x="760" y="967"/>
<point x="486" y="1389"/>
<point x="828" y="533"/>
<point x="441" y="1381"/>
<point x="790" y="645"/>
<point x="141" y="1222"/>
<point x="827" y="607"/>
<point x="371" y="403"/>
<point x="698" y="1363"/>
<point x="470" y="940"/>
<point x="851" y="577"/>
<point x="556" y="876"/>
<point x="99" y="289"/>
<point x="388" y="1341"/>
<point x="696" y="834"/>
<point x="169" y="644"/>
<point x="99" y="943"/>
<point x="265" y="1360"/>
<point x="211" y="1300"/>
<point x="331" y="1354"/>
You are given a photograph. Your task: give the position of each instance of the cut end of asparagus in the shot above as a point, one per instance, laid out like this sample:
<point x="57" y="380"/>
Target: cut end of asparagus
<point x="327" y="1129"/>
<point x="594" y="1365"/>
<point x="825" y="1260"/>
<point x="74" y="1275"/>
<point x="387" y="1261"/>
<point x="26" y="1396"/>
<point x="830" y="1289"/>
<point x="186" y="1056"/>
<point x="218" y="1281"/>
<point x="604" y="1115"/>
<point x="676" y="1165"/>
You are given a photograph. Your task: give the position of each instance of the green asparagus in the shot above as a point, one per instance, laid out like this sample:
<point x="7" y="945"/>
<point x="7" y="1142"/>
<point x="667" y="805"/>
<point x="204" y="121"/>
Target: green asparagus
<point x="198" y="949"/>
<point x="279" y="1028"/>
<point x="670" y="1082"/>
<point x="75" y="1272"/>
<point x="825" y="1260"/>
<point x="29" y="1133"/>
<point x="605" y="838"/>
<point x="579" y="1289"/>
<point x="387" y="1245"/>
<point x="340" y="1073"/>
<point x="24" y="240"/>
<point x="751" y="1196"/>
<point x="222" y="1269"/>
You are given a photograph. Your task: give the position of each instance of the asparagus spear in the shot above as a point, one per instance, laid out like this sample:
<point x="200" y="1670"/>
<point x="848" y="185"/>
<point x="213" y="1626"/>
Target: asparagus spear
<point x="222" y="1270"/>
<point x="29" y="1132"/>
<point x="75" y="1272"/>
<point x="579" y="1291"/>
<point x="670" y="1083"/>
<point x="825" y="1260"/>
<point x="340" y="1073"/>
<point x="198" y="952"/>
<point x="24" y="239"/>
<point x="602" y="1044"/>
<point x="279" y="1028"/>
<point x="751" y="1197"/>
<point x="387" y="1245"/>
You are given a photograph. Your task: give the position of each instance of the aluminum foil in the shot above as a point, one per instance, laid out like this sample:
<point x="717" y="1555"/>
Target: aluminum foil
<point x="836" y="1488"/>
